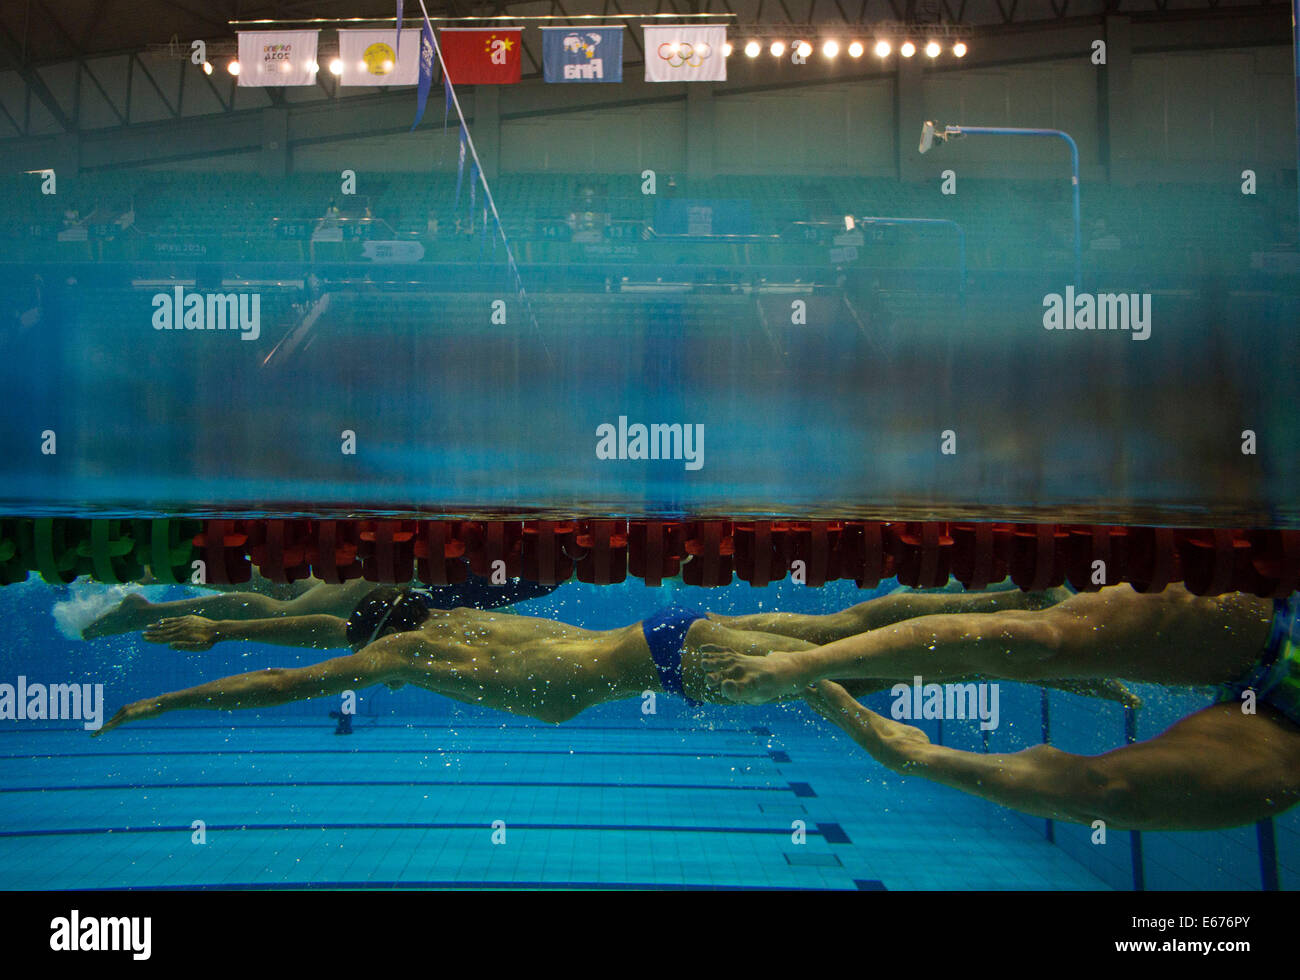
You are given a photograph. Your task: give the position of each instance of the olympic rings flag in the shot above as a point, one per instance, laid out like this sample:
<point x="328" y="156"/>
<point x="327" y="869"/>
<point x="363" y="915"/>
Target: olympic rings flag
<point x="685" y="54"/>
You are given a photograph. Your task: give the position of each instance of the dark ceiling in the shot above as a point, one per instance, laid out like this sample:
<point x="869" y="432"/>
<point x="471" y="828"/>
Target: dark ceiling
<point x="34" y="32"/>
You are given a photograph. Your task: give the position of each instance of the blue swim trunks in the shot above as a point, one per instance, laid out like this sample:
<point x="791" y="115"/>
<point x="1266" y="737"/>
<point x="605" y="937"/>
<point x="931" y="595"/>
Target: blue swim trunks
<point x="1275" y="678"/>
<point x="665" y="632"/>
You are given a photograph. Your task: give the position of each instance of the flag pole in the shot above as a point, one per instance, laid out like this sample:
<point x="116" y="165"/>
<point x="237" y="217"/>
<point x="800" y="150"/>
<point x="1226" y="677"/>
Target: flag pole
<point x="487" y="191"/>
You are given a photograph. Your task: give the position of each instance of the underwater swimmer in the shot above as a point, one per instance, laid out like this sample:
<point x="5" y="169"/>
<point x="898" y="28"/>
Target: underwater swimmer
<point x="525" y="665"/>
<point x="1219" y="767"/>
<point x="261" y="599"/>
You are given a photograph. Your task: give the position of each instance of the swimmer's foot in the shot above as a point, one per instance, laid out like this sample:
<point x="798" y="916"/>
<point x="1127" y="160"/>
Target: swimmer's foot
<point x="132" y="613"/>
<point x="750" y="680"/>
<point x="135" y="711"/>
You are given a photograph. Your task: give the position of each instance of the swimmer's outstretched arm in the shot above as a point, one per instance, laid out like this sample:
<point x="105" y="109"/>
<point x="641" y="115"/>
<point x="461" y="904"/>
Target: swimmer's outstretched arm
<point x="1216" y="768"/>
<point x="194" y="633"/>
<point x="135" y="612"/>
<point x="378" y="663"/>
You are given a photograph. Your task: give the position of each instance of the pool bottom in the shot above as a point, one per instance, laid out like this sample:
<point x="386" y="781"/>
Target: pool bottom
<point x="431" y="804"/>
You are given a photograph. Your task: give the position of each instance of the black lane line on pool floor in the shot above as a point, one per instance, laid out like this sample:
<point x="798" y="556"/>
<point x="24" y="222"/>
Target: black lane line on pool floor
<point x="218" y="828"/>
<point x="440" y="783"/>
<point x="486" y="886"/>
<point x="397" y="726"/>
<point x="438" y="750"/>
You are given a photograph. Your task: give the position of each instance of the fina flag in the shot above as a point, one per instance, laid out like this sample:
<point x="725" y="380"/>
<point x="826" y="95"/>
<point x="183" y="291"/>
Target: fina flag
<point x="277" y="58"/>
<point x="426" y="70"/>
<point x="685" y="54"/>
<point x="582" y="54"/>
<point x="371" y="58"/>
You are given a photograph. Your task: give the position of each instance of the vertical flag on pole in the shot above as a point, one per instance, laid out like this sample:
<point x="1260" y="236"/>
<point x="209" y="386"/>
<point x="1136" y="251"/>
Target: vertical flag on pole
<point x="426" y="70"/>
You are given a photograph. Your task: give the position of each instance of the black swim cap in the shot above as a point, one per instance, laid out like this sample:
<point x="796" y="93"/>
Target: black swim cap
<point x="384" y="610"/>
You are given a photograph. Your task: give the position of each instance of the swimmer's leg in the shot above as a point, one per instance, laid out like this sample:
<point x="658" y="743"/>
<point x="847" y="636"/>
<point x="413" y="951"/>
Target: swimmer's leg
<point x="1171" y="637"/>
<point x="711" y="642"/>
<point x="888" y="609"/>
<point x="1213" y="769"/>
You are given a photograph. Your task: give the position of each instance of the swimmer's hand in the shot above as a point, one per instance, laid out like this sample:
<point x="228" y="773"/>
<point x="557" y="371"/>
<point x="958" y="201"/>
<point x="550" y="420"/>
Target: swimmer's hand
<point x="1105" y="688"/>
<point x="135" y="711"/>
<point x="189" y="633"/>
<point x="889" y="742"/>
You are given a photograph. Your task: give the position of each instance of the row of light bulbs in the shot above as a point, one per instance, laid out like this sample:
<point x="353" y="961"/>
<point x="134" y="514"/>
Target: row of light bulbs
<point x="336" y="66"/>
<point x="830" y="49"/>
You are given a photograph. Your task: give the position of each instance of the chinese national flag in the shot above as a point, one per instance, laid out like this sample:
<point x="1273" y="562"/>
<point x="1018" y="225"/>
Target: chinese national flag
<point x="482" y="57"/>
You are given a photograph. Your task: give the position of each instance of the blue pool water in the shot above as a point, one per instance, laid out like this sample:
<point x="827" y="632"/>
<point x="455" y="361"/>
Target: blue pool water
<point x="700" y="798"/>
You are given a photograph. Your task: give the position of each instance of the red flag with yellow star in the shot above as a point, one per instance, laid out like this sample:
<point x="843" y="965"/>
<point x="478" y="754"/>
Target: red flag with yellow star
<point x="475" y="56"/>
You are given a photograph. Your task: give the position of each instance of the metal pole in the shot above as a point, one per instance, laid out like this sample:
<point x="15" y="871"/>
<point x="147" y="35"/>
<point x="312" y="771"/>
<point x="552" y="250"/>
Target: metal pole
<point x="1074" y="173"/>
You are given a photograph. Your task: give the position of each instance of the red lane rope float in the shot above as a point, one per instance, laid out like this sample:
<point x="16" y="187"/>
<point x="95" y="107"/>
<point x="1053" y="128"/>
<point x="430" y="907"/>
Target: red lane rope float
<point x="334" y="557"/>
<point x="490" y="542"/>
<point x="1152" y="558"/>
<point x="655" y="549"/>
<point x="863" y="553"/>
<point x="756" y="547"/>
<point x="712" y="549"/>
<point x="979" y="554"/>
<point x="1089" y="545"/>
<point x="1214" y="560"/>
<point x="817" y="545"/>
<point x="922" y="552"/>
<point x="280" y="549"/>
<point x="1275" y="562"/>
<point x="544" y="549"/>
<point x="1038" y="556"/>
<point x="440" y="553"/>
<point x="600" y="548"/>
<point x="387" y="551"/>
<point x="223" y="544"/>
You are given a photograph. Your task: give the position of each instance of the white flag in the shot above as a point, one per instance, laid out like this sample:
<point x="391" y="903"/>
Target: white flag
<point x="277" y="57"/>
<point x="369" y="58"/>
<point x="685" y="54"/>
